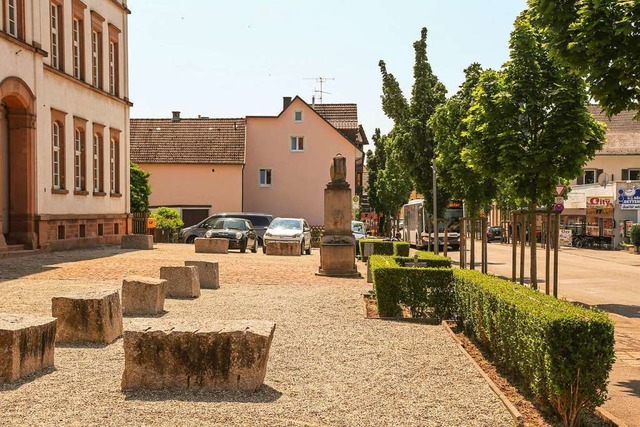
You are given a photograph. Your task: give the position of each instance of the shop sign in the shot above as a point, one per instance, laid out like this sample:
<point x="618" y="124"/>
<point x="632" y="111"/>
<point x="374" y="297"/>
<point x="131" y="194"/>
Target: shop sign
<point x="566" y="237"/>
<point x="599" y="202"/>
<point x="629" y="199"/>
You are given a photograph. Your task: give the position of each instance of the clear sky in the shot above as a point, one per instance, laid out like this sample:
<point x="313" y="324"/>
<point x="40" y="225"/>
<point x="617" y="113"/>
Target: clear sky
<point x="233" y="58"/>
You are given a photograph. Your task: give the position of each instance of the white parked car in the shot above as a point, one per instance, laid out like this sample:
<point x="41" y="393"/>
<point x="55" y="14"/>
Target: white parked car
<point x="289" y="230"/>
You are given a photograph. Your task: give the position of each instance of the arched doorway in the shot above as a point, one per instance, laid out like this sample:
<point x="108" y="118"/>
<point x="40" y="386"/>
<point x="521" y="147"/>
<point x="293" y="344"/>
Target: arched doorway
<point x="17" y="164"/>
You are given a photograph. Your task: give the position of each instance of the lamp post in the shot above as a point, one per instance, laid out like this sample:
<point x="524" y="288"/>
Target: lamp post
<point x="436" y="240"/>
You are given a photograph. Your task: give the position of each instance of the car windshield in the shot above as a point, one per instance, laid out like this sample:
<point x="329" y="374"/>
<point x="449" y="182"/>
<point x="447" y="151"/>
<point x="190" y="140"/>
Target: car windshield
<point x="357" y="227"/>
<point x="230" y="223"/>
<point x="287" y="224"/>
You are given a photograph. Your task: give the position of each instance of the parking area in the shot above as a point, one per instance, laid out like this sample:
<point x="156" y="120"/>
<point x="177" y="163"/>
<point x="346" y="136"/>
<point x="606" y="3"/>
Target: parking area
<point x="328" y="365"/>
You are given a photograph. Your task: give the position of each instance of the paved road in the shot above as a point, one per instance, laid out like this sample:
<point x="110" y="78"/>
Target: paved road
<point x="609" y="280"/>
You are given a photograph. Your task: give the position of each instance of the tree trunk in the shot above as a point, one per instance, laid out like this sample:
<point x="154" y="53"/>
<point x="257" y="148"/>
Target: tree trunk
<point x="532" y="247"/>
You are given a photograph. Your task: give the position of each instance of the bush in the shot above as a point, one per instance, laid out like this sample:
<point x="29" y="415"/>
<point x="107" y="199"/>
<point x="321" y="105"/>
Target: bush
<point x="386" y="247"/>
<point x="425" y="291"/>
<point x="167" y="219"/>
<point x="635" y="235"/>
<point x="562" y="352"/>
<point x="432" y="260"/>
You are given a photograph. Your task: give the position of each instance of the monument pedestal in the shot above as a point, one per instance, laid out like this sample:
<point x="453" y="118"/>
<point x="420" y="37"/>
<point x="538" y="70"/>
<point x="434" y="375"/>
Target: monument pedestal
<point x="337" y="247"/>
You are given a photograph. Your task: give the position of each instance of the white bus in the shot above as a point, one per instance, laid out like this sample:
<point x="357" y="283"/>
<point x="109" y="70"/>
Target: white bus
<point x="417" y="225"/>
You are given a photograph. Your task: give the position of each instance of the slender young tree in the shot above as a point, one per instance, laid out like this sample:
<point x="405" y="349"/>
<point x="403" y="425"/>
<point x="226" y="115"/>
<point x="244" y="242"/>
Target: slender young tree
<point x="600" y="41"/>
<point x="529" y="125"/>
<point x="477" y="189"/>
<point x="412" y="135"/>
<point x="140" y="188"/>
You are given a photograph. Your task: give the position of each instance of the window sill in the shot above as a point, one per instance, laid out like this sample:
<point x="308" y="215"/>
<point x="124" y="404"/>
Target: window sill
<point x="59" y="191"/>
<point x="99" y="193"/>
<point x="80" y="193"/>
<point x="265" y="186"/>
<point x="297" y="151"/>
<point x="115" y="195"/>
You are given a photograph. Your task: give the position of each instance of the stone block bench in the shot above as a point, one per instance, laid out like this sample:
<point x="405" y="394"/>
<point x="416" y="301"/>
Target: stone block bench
<point x="207" y="356"/>
<point x="143" y="295"/>
<point x="182" y="282"/>
<point x="27" y="345"/>
<point x="283" y="248"/>
<point x="88" y="317"/>
<point x="208" y="273"/>
<point x="137" y="241"/>
<point x="205" y="245"/>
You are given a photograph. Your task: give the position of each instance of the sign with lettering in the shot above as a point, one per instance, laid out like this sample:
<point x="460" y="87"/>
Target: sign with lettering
<point x="629" y="199"/>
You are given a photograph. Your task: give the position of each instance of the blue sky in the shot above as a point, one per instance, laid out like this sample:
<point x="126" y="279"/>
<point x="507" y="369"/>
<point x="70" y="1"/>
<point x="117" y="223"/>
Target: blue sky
<point x="233" y="58"/>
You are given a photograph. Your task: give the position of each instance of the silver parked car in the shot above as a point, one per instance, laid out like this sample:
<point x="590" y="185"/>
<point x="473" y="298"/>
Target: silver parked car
<point x="289" y="230"/>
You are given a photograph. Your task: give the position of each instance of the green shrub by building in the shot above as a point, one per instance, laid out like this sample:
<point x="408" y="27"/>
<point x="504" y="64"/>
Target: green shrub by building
<point x="427" y="292"/>
<point x="562" y="352"/>
<point x="168" y="219"/>
<point x="635" y="235"/>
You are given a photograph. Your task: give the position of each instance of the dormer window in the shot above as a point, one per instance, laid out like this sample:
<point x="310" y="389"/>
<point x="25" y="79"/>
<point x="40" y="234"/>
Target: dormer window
<point x="297" y="116"/>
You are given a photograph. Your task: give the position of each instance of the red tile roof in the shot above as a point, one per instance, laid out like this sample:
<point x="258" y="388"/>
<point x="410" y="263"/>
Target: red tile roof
<point x="623" y="133"/>
<point x="343" y="117"/>
<point x="195" y="141"/>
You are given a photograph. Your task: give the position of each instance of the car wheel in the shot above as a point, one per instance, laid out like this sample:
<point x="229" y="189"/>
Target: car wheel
<point x="302" y="247"/>
<point x="264" y="248"/>
<point x="255" y="246"/>
<point x="243" y="246"/>
<point x="191" y="240"/>
<point x="308" y="251"/>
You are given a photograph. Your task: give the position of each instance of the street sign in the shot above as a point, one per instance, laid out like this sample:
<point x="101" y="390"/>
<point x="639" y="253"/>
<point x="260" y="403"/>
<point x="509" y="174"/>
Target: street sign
<point x="559" y="200"/>
<point x="560" y="190"/>
<point x="558" y="207"/>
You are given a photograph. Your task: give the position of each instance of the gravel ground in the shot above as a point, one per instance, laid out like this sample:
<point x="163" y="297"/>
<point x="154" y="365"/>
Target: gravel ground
<point x="328" y="365"/>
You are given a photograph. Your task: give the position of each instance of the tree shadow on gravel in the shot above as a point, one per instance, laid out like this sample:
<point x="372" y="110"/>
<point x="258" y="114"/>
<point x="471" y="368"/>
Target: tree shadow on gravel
<point x="632" y="387"/>
<point x="265" y="394"/>
<point x="26" y="380"/>
<point x="39" y="262"/>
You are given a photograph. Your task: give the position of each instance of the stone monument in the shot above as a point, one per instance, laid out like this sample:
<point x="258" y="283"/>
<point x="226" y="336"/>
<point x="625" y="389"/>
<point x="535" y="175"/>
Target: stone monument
<point x="338" y="246"/>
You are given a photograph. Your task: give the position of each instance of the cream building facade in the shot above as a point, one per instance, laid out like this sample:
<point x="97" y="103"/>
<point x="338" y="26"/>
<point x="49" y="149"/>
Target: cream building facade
<point x="64" y="123"/>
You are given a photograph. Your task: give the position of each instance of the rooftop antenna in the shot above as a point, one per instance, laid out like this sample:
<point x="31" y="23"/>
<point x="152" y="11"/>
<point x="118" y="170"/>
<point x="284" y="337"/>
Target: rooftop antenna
<point x="321" y="80"/>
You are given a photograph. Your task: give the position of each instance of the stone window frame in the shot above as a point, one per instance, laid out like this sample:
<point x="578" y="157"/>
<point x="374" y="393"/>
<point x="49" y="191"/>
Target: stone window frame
<point x="114" y="60"/>
<point x="97" y="55"/>
<point x="590" y="171"/>
<point x="97" y="158"/>
<point x="57" y="34"/>
<point x="17" y="7"/>
<point x="268" y="177"/>
<point x="78" y="40"/>
<point x="114" y="162"/>
<point x="80" y="156"/>
<point x="58" y="119"/>
<point x="295" y="116"/>
<point x="296" y="143"/>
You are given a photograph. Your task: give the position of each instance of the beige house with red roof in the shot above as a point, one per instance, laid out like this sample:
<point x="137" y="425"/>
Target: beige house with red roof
<point x="195" y="164"/>
<point x="277" y="165"/>
<point x="619" y="159"/>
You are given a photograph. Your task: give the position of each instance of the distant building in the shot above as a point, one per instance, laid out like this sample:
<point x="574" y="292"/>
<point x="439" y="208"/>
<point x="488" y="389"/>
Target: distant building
<point x="277" y="165"/>
<point x="195" y="164"/>
<point x="619" y="159"/>
<point x="64" y="123"/>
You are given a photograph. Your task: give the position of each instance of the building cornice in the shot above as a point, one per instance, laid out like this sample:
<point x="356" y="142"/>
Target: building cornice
<point x="87" y="85"/>
<point x="35" y="47"/>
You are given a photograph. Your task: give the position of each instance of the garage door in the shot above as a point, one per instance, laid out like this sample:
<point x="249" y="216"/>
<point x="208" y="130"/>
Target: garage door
<point x="193" y="216"/>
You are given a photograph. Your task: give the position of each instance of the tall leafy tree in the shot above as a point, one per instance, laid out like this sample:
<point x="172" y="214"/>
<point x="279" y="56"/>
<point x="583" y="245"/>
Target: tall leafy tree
<point x="529" y="125"/>
<point x="600" y="40"/>
<point x="476" y="188"/>
<point x="412" y="135"/>
<point x="140" y="188"/>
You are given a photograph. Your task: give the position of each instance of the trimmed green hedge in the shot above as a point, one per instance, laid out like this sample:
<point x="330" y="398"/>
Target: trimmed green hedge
<point x="386" y="247"/>
<point x="562" y="352"/>
<point x="426" y="291"/>
<point x="432" y="260"/>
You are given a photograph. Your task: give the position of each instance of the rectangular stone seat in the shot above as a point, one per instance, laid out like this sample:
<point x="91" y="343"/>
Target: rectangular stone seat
<point x="283" y="248"/>
<point x="205" y="356"/>
<point x="137" y="241"/>
<point x="205" y="245"/>
<point x="208" y="273"/>
<point x="27" y="345"/>
<point x="143" y="295"/>
<point x="94" y="316"/>
<point x="182" y="282"/>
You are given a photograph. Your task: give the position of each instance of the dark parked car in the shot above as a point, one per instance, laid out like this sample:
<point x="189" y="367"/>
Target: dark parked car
<point x="239" y="231"/>
<point x="260" y="223"/>
<point x="494" y="233"/>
